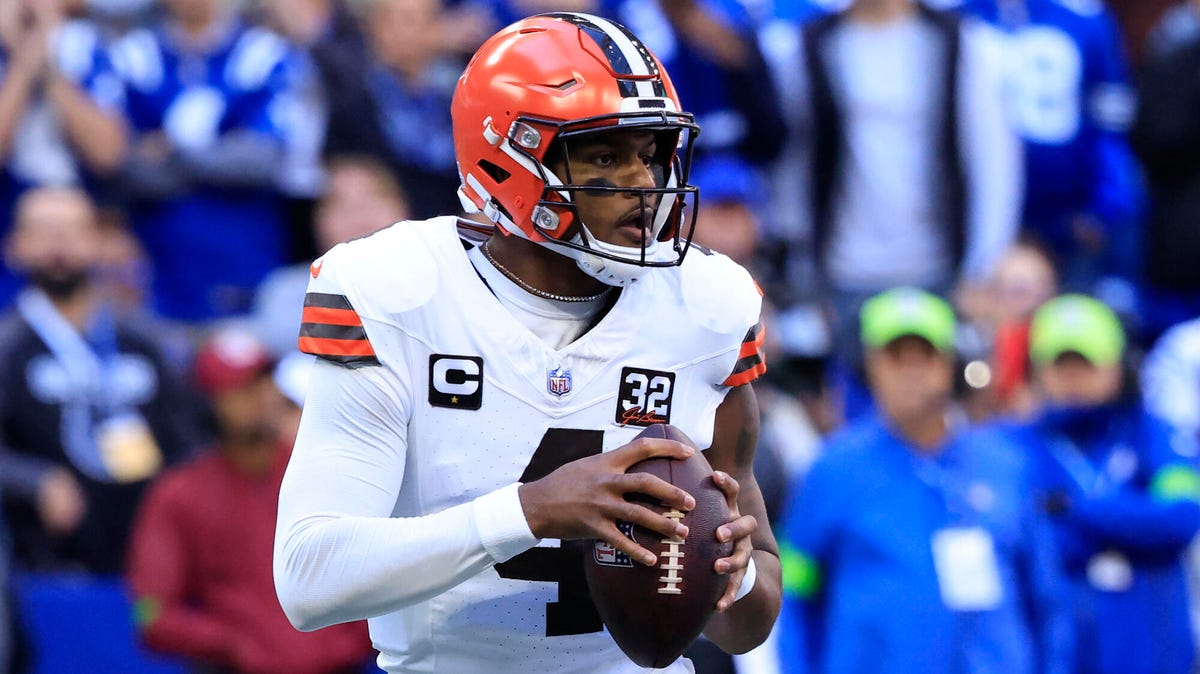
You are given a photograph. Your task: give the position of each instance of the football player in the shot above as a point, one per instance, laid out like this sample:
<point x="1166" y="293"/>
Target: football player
<point x="478" y="389"/>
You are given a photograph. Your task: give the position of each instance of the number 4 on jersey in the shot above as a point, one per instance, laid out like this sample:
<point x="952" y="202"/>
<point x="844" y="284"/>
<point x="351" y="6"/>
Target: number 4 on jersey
<point x="574" y="612"/>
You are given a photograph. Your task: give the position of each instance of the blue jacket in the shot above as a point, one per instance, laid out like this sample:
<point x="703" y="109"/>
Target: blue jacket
<point x="861" y="591"/>
<point x="1125" y="508"/>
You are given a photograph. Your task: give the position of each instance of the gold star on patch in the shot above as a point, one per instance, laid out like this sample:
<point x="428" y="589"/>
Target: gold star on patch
<point x="454" y="400"/>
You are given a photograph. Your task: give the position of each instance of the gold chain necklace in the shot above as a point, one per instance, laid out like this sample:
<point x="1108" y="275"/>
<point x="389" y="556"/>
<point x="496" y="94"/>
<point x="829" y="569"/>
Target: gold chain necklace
<point x="535" y="291"/>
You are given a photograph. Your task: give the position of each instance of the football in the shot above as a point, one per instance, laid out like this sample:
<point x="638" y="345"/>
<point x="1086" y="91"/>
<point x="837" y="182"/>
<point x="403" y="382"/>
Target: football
<point x="655" y="613"/>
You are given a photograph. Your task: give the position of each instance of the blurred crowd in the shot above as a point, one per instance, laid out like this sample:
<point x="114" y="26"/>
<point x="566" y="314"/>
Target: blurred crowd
<point x="976" y="223"/>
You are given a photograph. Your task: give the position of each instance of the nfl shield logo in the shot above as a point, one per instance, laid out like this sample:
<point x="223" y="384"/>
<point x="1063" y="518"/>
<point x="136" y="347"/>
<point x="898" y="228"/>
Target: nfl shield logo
<point x="607" y="555"/>
<point x="558" y="381"/>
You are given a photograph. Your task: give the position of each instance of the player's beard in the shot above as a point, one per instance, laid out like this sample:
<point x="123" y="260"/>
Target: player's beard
<point x="60" y="282"/>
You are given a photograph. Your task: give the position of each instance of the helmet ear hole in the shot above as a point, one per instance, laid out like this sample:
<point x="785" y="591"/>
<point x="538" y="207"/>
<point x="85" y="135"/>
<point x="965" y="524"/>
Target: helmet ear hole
<point x="493" y="171"/>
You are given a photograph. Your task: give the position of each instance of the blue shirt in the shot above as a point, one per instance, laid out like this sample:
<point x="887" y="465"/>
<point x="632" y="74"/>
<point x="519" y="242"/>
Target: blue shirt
<point x="211" y="244"/>
<point x="862" y="593"/>
<point x="1127" y="509"/>
<point x="1070" y="101"/>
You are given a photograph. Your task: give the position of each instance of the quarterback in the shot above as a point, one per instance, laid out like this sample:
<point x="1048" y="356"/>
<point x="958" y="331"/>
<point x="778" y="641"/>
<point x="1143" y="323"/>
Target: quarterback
<point x="478" y="389"/>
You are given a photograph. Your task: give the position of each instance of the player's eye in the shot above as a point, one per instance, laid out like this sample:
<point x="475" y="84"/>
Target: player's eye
<point x="605" y="159"/>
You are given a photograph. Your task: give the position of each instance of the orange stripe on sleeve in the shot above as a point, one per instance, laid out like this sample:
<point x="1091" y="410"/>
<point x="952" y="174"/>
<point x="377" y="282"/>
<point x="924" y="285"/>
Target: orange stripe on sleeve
<point x="749" y="348"/>
<point x="745" y="376"/>
<point x="318" y="346"/>
<point x="330" y="316"/>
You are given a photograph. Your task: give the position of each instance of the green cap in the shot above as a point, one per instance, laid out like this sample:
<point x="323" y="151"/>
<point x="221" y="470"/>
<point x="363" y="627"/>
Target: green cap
<point x="900" y="312"/>
<point x="1076" y="324"/>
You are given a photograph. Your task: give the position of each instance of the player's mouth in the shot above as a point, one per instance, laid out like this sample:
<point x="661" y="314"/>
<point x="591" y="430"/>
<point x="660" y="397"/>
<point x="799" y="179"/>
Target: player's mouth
<point x="633" y="227"/>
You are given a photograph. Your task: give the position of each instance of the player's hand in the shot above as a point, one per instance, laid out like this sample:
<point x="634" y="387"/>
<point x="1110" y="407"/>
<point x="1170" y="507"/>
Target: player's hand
<point x="586" y="497"/>
<point x="739" y="529"/>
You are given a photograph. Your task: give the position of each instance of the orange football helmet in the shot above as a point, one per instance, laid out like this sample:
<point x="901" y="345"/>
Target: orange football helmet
<point x="552" y="77"/>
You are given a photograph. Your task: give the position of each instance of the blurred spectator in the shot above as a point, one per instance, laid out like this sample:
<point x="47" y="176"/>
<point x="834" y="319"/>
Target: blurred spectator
<point x="207" y="98"/>
<point x="200" y="555"/>
<point x="87" y="405"/>
<point x="1167" y="138"/>
<point x="1000" y="311"/>
<point x="335" y="53"/>
<point x="790" y="217"/>
<point x="59" y="101"/>
<point x="326" y="29"/>
<point x="60" y="122"/>
<point x="122" y="273"/>
<point x="361" y="196"/>
<point x="915" y="173"/>
<point x="915" y="170"/>
<point x="396" y="107"/>
<point x="1170" y="379"/>
<point x="727" y="220"/>
<point x="1069" y="98"/>
<point x="331" y="34"/>
<point x="1124" y="504"/>
<point x="912" y="546"/>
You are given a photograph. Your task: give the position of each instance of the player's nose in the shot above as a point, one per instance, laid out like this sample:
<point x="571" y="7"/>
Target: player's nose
<point x="637" y="175"/>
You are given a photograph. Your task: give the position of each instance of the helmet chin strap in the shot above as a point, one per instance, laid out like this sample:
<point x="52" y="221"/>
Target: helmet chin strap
<point x="610" y="272"/>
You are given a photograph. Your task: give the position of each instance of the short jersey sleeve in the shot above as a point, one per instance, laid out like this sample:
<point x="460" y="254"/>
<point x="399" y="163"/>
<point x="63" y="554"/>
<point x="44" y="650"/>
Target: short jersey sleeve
<point x="751" y="362"/>
<point x="331" y="328"/>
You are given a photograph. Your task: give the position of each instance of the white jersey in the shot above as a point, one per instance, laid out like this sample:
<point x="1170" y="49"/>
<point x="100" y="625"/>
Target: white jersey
<point x="486" y="404"/>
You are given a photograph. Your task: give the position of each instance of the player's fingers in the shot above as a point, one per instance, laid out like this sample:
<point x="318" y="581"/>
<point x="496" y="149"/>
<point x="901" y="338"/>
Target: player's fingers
<point x="727" y="484"/>
<point x="657" y="489"/>
<point x="615" y="537"/>
<point x="648" y="519"/>
<point x="738" y="529"/>
<point x="645" y="448"/>
<point x="737" y="561"/>
<point x="731" y="589"/>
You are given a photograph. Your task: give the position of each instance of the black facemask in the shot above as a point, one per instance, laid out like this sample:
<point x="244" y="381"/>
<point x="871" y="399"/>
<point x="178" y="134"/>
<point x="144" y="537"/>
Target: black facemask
<point x="58" y="282"/>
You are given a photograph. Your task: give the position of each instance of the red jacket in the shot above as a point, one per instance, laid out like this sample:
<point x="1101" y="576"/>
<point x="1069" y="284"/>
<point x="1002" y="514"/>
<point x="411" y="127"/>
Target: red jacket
<point x="200" y="571"/>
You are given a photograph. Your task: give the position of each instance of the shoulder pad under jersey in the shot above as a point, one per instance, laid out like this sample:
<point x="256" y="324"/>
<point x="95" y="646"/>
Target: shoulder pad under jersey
<point x="385" y="273"/>
<point x="374" y="278"/>
<point x="719" y="294"/>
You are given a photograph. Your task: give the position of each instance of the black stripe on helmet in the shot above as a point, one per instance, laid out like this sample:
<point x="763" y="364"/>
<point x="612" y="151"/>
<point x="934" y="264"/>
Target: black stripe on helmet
<point x="617" y="59"/>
